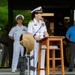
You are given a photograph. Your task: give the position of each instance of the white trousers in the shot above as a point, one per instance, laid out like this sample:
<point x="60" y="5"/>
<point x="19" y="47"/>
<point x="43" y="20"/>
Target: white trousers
<point x="34" y="61"/>
<point x="17" y="50"/>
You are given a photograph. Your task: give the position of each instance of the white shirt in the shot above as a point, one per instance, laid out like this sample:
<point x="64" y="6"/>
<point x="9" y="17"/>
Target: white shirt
<point x="33" y="27"/>
<point x="17" y="31"/>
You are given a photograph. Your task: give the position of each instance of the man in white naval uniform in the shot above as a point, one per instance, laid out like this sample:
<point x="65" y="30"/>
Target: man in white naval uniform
<point x="15" y="34"/>
<point x="37" y="28"/>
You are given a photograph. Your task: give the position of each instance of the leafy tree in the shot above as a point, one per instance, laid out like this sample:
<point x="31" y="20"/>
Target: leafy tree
<point x="3" y="14"/>
<point x="3" y="2"/>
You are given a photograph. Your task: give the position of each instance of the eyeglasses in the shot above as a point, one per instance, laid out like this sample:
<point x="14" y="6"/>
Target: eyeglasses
<point x="19" y="19"/>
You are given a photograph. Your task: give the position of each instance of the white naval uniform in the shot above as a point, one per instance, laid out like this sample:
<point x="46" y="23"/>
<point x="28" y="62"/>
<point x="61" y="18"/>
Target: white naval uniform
<point x="33" y="26"/>
<point x="17" y="48"/>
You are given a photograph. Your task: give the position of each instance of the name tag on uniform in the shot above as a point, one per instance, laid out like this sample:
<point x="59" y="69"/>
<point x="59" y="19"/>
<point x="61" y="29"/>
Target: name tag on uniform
<point x="24" y="30"/>
<point x="35" y="24"/>
<point x="16" y="30"/>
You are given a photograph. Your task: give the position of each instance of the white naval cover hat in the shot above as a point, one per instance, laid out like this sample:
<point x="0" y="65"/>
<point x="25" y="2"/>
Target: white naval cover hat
<point x="19" y="16"/>
<point x="38" y="9"/>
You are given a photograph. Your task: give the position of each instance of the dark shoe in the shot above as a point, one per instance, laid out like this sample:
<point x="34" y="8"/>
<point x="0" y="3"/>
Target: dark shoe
<point x="70" y="70"/>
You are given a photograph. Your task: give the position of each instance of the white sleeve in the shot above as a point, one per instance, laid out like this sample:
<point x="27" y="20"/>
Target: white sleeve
<point x="30" y="27"/>
<point x="11" y="33"/>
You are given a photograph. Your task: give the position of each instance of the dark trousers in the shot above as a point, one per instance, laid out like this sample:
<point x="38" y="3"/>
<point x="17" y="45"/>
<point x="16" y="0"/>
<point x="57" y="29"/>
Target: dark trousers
<point x="72" y="55"/>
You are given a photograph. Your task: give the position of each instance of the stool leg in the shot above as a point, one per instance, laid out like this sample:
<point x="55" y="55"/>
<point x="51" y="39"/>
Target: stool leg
<point x="47" y="58"/>
<point x="53" y="62"/>
<point x="39" y="59"/>
<point x="62" y="60"/>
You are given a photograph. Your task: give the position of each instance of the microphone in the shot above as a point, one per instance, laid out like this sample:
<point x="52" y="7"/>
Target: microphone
<point x="45" y="20"/>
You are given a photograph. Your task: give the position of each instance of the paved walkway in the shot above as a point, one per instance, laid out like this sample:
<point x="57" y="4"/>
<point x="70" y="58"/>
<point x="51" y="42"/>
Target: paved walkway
<point x="7" y="71"/>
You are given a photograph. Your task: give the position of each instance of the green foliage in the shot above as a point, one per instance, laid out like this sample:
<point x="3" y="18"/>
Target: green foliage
<point x="3" y="17"/>
<point x="4" y="13"/>
<point x="3" y="2"/>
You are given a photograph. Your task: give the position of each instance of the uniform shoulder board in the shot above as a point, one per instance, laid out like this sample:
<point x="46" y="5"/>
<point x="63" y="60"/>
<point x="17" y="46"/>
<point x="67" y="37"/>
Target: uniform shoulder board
<point x="42" y="20"/>
<point x="13" y="26"/>
<point x="31" y="20"/>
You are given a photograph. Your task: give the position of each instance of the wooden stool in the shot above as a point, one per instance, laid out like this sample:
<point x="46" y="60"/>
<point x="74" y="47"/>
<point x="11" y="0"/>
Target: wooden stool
<point x="51" y="41"/>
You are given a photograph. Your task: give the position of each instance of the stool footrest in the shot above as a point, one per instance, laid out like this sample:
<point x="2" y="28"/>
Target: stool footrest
<point x="51" y="68"/>
<point x="55" y="59"/>
<point x="55" y="69"/>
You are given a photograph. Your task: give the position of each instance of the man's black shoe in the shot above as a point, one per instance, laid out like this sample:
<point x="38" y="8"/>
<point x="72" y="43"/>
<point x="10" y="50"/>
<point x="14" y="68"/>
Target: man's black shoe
<point x="70" y="70"/>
